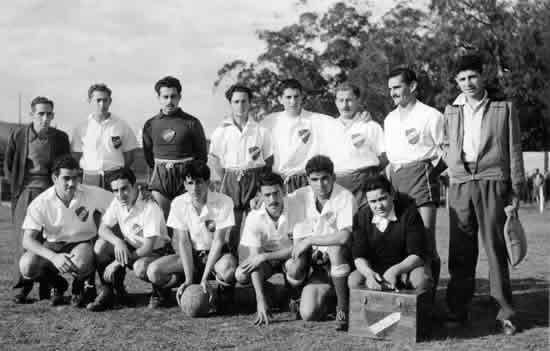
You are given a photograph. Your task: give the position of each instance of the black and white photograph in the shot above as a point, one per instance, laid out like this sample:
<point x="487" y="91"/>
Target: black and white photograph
<point x="287" y="175"/>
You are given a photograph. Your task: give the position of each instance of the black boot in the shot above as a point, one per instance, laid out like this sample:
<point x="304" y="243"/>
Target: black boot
<point x="44" y="290"/>
<point x="121" y="294"/>
<point x="60" y="285"/>
<point x="104" y="301"/>
<point x="22" y="290"/>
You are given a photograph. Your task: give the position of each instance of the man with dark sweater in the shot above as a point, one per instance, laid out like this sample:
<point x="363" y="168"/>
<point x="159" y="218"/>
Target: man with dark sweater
<point x="27" y="164"/>
<point x="170" y="139"/>
<point x="389" y="241"/>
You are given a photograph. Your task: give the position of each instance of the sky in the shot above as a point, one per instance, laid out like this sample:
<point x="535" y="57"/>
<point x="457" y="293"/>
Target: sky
<point x="59" y="48"/>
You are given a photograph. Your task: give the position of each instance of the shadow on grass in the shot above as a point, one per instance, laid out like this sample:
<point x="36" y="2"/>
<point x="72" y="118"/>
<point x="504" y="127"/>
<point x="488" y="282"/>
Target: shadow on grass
<point x="530" y="299"/>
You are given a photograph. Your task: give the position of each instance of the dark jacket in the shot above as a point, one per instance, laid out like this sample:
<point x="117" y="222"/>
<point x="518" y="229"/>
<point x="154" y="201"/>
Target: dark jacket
<point x="17" y="152"/>
<point x="500" y="156"/>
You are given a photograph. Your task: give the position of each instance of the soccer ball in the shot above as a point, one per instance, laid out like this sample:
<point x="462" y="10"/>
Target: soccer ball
<point x="194" y="302"/>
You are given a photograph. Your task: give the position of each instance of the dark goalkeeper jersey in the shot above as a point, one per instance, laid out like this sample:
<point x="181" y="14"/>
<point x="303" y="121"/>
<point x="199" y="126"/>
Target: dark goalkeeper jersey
<point x="175" y="136"/>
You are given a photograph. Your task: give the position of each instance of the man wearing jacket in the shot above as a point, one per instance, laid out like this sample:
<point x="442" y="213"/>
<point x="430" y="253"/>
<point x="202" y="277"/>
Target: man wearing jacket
<point x="27" y="164"/>
<point x="486" y="175"/>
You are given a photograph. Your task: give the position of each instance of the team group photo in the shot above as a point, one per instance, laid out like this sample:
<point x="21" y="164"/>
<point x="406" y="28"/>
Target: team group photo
<point x="358" y="187"/>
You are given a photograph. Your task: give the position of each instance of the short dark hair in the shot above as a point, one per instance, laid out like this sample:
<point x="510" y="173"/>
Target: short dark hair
<point x="39" y="100"/>
<point x="347" y="86"/>
<point x="270" y="179"/>
<point x="98" y="87"/>
<point x="123" y="173"/>
<point x="196" y="169"/>
<point x="290" y="84"/>
<point x="168" y="82"/>
<point x="66" y="161"/>
<point x="319" y="163"/>
<point x="468" y="62"/>
<point x="237" y="88"/>
<point x="376" y="182"/>
<point x="405" y="73"/>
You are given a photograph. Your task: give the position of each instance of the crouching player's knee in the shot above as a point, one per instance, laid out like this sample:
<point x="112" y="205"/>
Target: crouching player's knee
<point x="241" y="276"/>
<point x="83" y="258"/>
<point x="296" y="271"/>
<point x="225" y="269"/>
<point x="140" y="268"/>
<point x="31" y="266"/>
<point x="155" y="274"/>
<point x="420" y="279"/>
<point x="356" y="280"/>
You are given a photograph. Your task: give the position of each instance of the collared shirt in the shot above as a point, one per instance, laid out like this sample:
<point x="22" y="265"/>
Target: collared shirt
<point x="382" y="222"/>
<point x="336" y="215"/>
<point x="143" y="220"/>
<point x="260" y="230"/>
<point x="243" y="149"/>
<point x="402" y="237"/>
<point x="359" y="143"/>
<point x="473" y="116"/>
<point x="102" y="143"/>
<point x="73" y="223"/>
<point x="415" y="137"/>
<point x="297" y="139"/>
<point x="218" y="211"/>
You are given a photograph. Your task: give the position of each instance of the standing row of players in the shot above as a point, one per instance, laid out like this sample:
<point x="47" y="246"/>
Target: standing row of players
<point x="482" y="166"/>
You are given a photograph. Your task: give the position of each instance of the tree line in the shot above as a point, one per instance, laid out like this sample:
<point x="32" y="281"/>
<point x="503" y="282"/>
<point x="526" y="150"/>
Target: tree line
<point x="346" y="43"/>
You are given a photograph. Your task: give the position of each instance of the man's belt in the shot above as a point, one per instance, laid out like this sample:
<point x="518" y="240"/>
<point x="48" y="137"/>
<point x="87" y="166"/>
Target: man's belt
<point x="168" y="164"/>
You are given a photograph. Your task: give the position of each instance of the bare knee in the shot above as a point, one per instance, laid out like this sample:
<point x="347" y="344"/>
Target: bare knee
<point x="296" y="270"/>
<point x="241" y="276"/>
<point x="102" y="252"/>
<point x="140" y="269"/>
<point x="155" y="274"/>
<point x="31" y="266"/>
<point x="83" y="259"/>
<point x="420" y="279"/>
<point x="225" y="268"/>
<point x="356" y="280"/>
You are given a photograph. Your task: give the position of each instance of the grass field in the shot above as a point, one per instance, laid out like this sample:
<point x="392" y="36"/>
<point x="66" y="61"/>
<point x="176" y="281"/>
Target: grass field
<point x="38" y="326"/>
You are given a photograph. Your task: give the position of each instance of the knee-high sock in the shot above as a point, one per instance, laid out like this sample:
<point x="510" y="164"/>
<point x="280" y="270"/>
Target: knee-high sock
<point x="339" y="275"/>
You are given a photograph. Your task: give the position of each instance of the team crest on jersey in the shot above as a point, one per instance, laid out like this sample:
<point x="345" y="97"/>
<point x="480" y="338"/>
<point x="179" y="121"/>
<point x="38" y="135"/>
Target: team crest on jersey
<point x="330" y="217"/>
<point x="304" y="134"/>
<point x="168" y="135"/>
<point x="413" y="135"/>
<point x="82" y="213"/>
<point x="210" y="225"/>
<point x="117" y="141"/>
<point x="358" y="140"/>
<point x="136" y="230"/>
<point x="254" y="152"/>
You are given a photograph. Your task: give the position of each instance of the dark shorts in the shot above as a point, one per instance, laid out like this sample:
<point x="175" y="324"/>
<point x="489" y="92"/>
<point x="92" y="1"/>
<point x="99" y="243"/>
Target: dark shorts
<point x="199" y="263"/>
<point x="63" y="246"/>
<point x="356" y="180"/>
<point x="241" y="186"/>
<point x="99" y="180"/>
<point x="418" y="180"/>
<point x="296" y="181"/>
<point x="167" y="179"/>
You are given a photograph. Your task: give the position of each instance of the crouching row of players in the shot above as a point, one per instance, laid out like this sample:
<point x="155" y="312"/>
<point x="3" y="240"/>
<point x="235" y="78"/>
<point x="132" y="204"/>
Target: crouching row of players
<point x="314" y="236"/>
